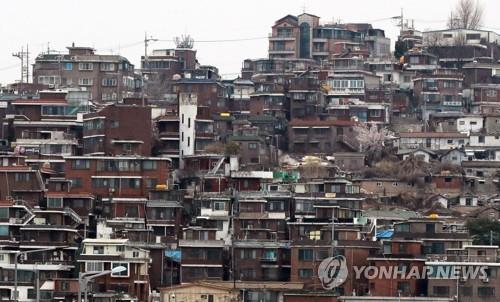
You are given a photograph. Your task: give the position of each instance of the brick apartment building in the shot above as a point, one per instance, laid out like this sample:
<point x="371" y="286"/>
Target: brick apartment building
<point x="130" y="177"/>
<point x="315" y="136"/>
<point x="108" y="78"/>
<point x="303" y="36"/>
<point x="118" y="130"/>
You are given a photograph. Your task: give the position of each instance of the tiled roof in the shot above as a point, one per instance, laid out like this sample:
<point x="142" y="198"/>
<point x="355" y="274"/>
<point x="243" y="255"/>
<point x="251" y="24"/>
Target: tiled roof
<point x="433" y="134"/>
<point x="38" y="101"/>
<point x="312" y="123"/>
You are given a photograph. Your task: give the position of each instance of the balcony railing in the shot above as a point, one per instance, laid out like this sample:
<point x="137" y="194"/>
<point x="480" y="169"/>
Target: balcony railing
<point x="463" y="258"/>
<point x="169" y="134"/>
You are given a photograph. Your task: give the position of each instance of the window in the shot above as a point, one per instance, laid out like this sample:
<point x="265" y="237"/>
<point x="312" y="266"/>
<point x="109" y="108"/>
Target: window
<point x="64" y="285"/>
<point x="127" y="147"/>
<point x="131" y="211"/>
<point x="485" y="291"/>
<point x="441" y="291"/>
<point x="4" y="212"/>
<point x="80" y="164"/>
<point x="150" y="182"/>
<point x="54" y="202"/>
<point x="219" y="206"/>
<point x="275" y="206"/>
<point x="304" y="206"/>
<point x="4" y="230"/>
<point x="120" y="274"/>
<point x="404" y="287"/>
<point x="248" y="254"/>
<point x="473" y="36"/>
<point x="120" y="248"/>
<point x="305" y="273"/>
<point x="305" y="254"/>
<point x="481" y="139"/>
<point x="252" y="146"/>
<point x="450" y="142"/>
<point x="248" y="273"/>
<point x="414" y="60"/>
<point x="109" y="96"/>
<point x="93" y="124"/>
<point x="269" y="255"/>
<point x="68" y="66"/>
<point x="465" y="291"/>
<point x="22" y="177"/>
<point x="85" y="66"/>
<point x="98" y="250"/>
<point x="49" y="80"/>
<point x="107" y="67"/>
<point x="107" y="82"/>
<point x="189" y="122"/>
<point x="94" y="266"/>
<point x="375" y="113"/>
<point x="149" y="165"/>
<point x="491" y="93"/>
<point x="85" y="82"/>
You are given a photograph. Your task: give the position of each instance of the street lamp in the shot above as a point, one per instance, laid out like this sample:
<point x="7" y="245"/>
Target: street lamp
<point x="16" y="260"/>
<point x="83" y="280"/>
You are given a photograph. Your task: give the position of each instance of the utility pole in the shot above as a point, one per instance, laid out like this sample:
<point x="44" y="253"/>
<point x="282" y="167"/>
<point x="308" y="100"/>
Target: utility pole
<point x="24" y="57"/>
<point x="146" y="62"/>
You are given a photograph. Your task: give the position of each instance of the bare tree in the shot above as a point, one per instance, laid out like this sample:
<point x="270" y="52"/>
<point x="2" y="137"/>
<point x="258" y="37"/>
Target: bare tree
<point x="433" y="39"/>
<point x="468" y="14"/>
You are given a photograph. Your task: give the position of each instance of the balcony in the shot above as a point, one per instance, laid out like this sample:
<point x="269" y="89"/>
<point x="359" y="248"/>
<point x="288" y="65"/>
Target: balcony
<point x="463" y="258"/>
<point x="204" y="135"/>
<point x="320" y="40"/>
<point x="281" y="51"/>
<point x="169" y="135"/>
<point x="321" y="53"/>
<point x="344" y="91"/>
<point x="269" y="259"/>
<point x="281" y="37"/>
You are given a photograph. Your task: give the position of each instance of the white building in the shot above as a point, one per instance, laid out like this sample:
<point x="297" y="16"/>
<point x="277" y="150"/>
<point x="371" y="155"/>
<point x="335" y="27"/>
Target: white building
<point x="484" y="140"/>
<point x="188" y="108"/>
<point x="431" y="140"/>
<point x="449" y="37"/>
<point x="470" y="124"/>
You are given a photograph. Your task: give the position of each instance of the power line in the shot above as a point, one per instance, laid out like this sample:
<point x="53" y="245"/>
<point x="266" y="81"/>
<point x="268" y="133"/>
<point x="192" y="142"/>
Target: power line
<point x="9" y="67"/>
<point x="221" y="40"/>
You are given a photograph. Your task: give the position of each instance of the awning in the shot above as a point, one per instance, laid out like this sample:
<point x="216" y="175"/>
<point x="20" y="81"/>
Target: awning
<point x="48" y="285"/>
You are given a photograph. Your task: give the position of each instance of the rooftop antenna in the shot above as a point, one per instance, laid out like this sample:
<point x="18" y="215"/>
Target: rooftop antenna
<point x="184" y="41"/>
<point x="304" y="8"/>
